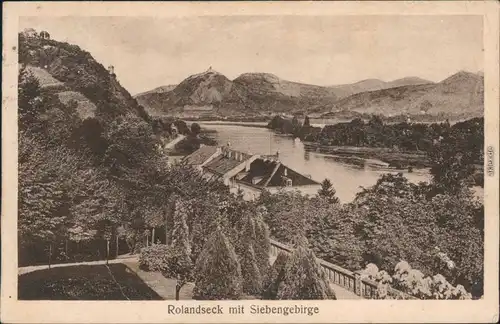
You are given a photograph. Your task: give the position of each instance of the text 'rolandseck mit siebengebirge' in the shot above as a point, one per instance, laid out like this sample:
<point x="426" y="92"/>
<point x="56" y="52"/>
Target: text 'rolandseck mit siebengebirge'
<point x="243" y="309"/>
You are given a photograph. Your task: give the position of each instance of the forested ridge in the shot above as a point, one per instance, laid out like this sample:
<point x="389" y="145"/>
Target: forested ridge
<point x="404" y="136"/>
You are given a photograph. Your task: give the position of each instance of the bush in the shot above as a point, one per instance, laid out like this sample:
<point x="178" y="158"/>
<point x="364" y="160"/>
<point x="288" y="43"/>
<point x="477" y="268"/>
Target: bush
<point x="152" y="258"/>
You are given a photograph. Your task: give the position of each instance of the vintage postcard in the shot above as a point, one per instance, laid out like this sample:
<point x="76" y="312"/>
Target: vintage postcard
<point x="231" y="162"/>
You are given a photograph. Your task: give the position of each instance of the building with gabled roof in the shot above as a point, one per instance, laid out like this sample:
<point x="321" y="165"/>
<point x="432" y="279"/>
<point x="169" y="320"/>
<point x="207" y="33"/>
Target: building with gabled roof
<point x="202" y="156"/>
<point x="250" y="173"/>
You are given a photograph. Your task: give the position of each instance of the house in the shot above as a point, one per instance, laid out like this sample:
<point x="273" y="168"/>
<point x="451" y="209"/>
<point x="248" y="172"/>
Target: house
<point x="252" y="174"/>
<point x="202" y="156"/>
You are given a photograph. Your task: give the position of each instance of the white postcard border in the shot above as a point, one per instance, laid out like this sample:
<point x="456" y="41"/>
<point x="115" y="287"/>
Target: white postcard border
<point x="341" y="311"/>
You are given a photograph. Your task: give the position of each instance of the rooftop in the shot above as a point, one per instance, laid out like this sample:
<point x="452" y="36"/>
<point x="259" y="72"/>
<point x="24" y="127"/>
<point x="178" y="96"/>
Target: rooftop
<point x="199" y="156"/>
<point x="222" y="164"/>
<point x="271" y="173"/>
<point x="263" y="171"/>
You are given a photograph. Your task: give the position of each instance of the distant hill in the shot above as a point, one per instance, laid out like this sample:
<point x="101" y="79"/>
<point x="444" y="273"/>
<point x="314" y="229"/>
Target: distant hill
<point x="165" y="88"/>
<point x="346" y="90"/>
<point x="250" y="93"/>
<point x="270" y="84"/>
<point x="212" y="94"/>
<point x="460" y="94"/>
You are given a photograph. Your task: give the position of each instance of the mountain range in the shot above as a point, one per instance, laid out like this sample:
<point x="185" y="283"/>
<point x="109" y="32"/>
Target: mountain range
<point x="75" y="76"/>
<point x="263" y="93"/>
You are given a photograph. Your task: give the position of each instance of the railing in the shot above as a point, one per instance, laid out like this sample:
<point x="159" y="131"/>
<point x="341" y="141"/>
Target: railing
<point x="344" y="278"/>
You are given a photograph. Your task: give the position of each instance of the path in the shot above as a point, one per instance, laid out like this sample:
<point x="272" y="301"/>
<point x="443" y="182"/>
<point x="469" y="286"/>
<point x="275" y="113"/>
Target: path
<point x="340" y="292"/>
<point x="120" y="259"/>
<point x="176" y="140"/>
<point x="161" y="285"/>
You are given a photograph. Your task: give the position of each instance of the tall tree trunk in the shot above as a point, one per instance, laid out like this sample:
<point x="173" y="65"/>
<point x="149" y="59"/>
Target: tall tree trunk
<point x="50" y="253"/>
<point x="107" y="250"/>
<point x="117" y="245"/>
<point x="178" y="287"/>
<point x="147" y="238"/>
<point x="166" y="232"/>
<point x="153" y="237"/>
<point x="66" y="248"/>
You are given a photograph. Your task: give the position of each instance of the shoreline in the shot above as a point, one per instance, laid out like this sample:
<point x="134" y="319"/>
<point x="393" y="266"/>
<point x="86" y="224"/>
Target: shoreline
<point x="229" y="123"/>
<point x="381" y="158"/>
<point x="394" y="158"/>
<point x="377" y="156"/>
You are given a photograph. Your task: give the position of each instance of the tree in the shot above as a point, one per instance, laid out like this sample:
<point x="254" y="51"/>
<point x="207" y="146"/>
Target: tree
<point x="217" y="271"/>
<point x="295" y="126"/>
<point x="452" y="166"/>
<point x="29" y="98"/>
<point x="40" y="217"/>
<point x="262" y="244"/>
<point x="180" y="243"/>
<point x="43" y="195"/>
<point x="303" y="277"/>
<point x="182" y="127"/>
<point x="307" y="123"/>
<point x="328" y="192"/>
<point x="173" y="260"/>
<point x="252" y="278"/>
<point x="178" y="266"/>
<point x="195" y="129"/>
<point x="275" y="276"/>
<point x="253" y="251"/>
<point x="331" y="233"/>
<point x="172" y="263"/>
<point x="284" y="213"/>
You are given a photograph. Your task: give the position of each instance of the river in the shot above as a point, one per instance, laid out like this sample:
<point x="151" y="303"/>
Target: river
<point x="347" y="179"/>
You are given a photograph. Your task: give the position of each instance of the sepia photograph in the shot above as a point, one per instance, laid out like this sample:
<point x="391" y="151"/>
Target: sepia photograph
<point x="252" y="157"/>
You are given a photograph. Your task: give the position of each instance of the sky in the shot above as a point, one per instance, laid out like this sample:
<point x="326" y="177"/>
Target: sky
<point x="148" y="52"/>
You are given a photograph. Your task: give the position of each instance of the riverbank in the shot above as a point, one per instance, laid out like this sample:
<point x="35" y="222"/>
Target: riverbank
<point x="394" y="158"/>
<point x="229" y="123"/>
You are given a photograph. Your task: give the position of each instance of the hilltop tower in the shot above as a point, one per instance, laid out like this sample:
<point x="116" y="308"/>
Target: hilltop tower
<point x="111" y="70"/>
<point x="44" y="35"/>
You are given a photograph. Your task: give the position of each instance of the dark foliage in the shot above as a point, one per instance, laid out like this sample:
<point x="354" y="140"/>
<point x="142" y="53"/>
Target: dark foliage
<point x="391" y="221"/>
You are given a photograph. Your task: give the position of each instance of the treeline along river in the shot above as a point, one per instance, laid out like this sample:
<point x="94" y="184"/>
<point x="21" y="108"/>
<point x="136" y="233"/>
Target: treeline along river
<point x="347" y="175"/>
